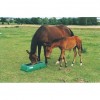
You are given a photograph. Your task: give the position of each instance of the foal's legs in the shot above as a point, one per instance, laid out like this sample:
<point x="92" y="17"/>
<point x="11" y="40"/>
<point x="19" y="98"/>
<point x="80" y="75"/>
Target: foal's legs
<point x="65" y="61"/>
<point x="58" y="61"/>
<point x="79" y="52"/>
<point x="75" y="54"/>
<point x="61" y="57"/>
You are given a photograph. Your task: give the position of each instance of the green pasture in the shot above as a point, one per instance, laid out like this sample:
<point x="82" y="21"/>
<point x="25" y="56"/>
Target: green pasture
<point x="15" y="41"/>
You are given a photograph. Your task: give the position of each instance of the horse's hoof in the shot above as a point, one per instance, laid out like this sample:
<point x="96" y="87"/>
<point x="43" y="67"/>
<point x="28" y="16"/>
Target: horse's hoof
<point x="72" y="65"/>
<point x="80" y="64"/>
<point x="57" y="62"/>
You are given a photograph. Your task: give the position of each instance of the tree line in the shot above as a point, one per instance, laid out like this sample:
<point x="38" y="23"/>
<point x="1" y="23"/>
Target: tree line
<point x="51" y="21"/>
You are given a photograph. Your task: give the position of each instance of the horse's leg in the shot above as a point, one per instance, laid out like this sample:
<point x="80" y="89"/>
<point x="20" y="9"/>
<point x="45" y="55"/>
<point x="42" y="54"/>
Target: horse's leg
<point x="65" y="61"/>
<point x="75" y="54"/>
<point x="61" y="57"/>
<point x="58" y="61"/>
<point x="39" y="52"/>
<point x="79" y="52"/>
<point x="45" y="54"/>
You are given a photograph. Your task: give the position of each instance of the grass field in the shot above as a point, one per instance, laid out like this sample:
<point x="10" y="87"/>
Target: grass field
<point x="14" y="41"/>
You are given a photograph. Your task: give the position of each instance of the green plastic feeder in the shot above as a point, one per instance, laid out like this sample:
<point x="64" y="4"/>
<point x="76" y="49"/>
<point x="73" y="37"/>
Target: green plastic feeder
<point x="29" y="67"/>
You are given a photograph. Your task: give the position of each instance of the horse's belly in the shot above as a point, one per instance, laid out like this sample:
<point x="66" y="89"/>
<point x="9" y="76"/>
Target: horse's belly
<point x="69" y="47"/>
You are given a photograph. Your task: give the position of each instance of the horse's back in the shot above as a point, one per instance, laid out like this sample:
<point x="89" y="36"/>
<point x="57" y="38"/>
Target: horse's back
<point x="76" y="38"/>
<point x="48" y="33"/>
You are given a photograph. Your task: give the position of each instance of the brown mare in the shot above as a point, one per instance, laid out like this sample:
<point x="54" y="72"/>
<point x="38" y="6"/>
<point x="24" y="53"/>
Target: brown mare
<point x="46" y="34"/>
<point x="66" y="43"/>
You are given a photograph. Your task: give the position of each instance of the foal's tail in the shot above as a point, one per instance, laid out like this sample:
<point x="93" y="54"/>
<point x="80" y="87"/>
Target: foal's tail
<point x="82" y="50"/>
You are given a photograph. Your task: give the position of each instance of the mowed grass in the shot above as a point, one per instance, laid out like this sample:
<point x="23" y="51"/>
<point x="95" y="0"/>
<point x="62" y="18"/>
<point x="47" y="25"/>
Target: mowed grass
<point x="15" y="41"/>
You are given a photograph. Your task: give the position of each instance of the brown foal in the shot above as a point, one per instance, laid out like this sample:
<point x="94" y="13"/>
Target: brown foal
<point x="66" y="43"/>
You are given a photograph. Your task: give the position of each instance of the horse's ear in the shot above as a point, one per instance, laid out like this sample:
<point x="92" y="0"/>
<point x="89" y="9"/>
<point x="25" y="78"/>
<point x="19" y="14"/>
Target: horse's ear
<point x="27" y="51"/>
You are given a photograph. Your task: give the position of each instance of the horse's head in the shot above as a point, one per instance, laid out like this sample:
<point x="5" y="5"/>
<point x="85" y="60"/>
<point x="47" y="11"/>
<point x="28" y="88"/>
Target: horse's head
<point x="33" y="57"/>
<point x="48" y="49"/>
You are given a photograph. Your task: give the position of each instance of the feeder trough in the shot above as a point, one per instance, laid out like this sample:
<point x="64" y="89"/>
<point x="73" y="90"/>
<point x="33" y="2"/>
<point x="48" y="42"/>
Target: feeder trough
<point x="30" y="67"/>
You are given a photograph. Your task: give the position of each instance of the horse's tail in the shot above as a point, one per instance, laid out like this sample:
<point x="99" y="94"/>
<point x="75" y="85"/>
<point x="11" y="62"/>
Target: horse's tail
<point x="72" y="34"/>
<point x="82" y="50"/>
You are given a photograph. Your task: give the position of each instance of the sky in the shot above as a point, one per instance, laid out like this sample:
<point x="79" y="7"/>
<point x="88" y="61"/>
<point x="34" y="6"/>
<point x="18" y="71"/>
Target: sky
<point x="49" y="8"/>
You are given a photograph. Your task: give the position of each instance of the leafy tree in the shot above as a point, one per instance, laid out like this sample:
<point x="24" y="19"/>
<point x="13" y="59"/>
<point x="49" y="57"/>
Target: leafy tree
<point x="75" y="21"/>
<point x="53" y="21"/>
<point x="18" y="20"/>
<point x="87" y="20"/>
<point x="40" y="21"/>
<point x="94" y="20"/>
<point x="36" y="20"/>
<point x="70" y="21"/>
<point x="3" y="20"/>
<point x="11" y="20"/>
<point x="45" y="20"/>
<point x="26" y="21"/>
<point x="82" y="21"/>
<point x="63" y="21"/>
